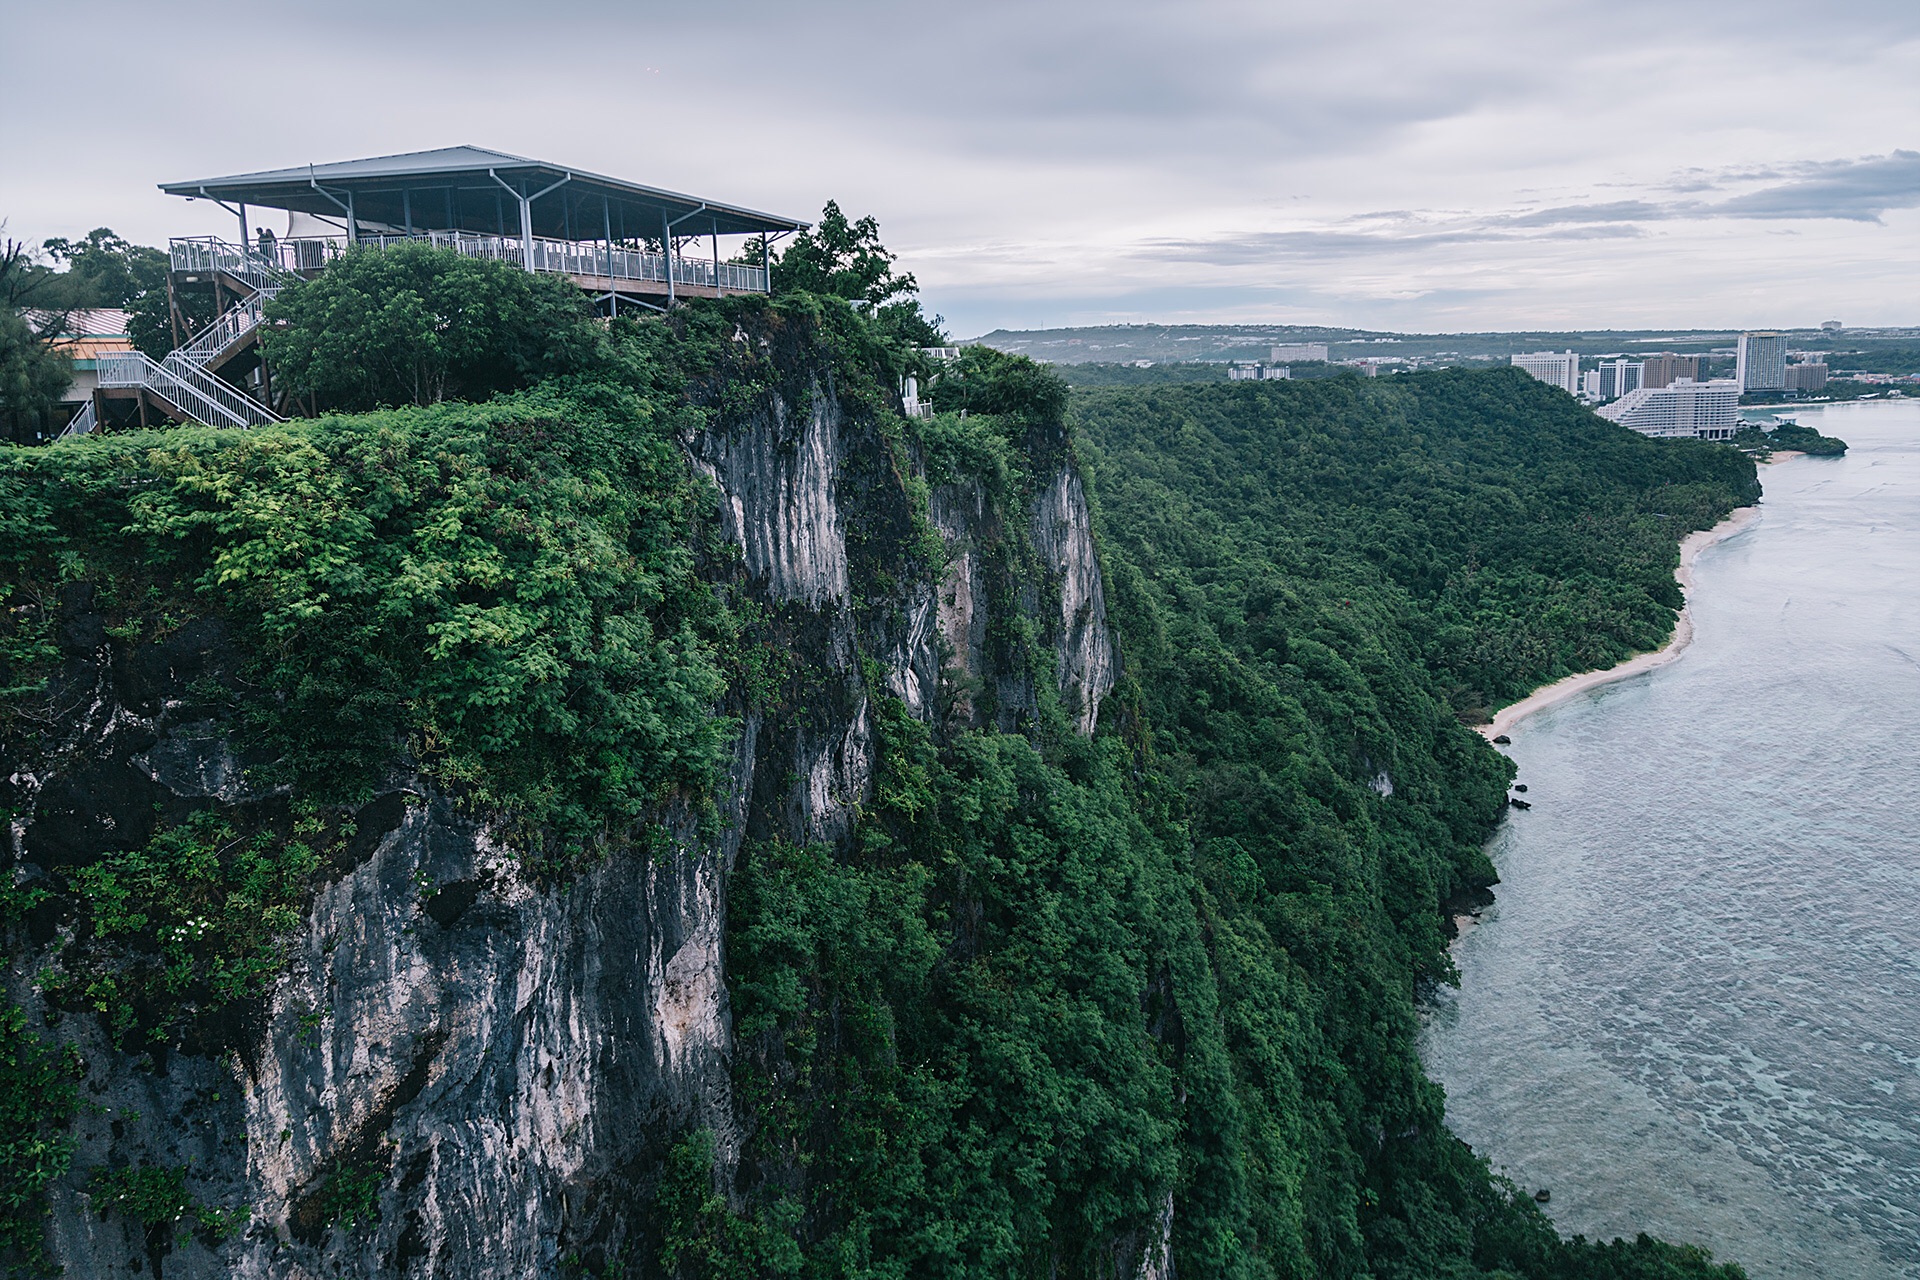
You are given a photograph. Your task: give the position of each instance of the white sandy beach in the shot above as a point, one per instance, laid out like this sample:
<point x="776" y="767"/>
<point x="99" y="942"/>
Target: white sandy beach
<point x="1560" y="690"/>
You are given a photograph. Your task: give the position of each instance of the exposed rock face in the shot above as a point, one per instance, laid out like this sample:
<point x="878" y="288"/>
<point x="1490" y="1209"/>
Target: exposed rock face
<point x="512" y="1059"/>
<point x="776" y="479"/>
<point x="1063" y="538"/>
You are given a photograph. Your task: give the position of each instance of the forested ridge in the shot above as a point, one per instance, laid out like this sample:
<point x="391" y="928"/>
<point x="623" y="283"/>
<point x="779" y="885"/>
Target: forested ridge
<point x="1188" y="955"/>
<point x="1314" y="585"/>
<point x="1055" y="998"/>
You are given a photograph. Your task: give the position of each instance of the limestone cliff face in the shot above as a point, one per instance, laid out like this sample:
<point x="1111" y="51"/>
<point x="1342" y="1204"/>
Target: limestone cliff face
<point x="509" y="1058"/>
<point x="1063" y="539"/>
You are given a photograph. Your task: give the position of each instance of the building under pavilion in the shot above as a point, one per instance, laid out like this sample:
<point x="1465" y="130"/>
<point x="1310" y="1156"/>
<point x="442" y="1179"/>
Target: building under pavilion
<point x="624" y="243"/>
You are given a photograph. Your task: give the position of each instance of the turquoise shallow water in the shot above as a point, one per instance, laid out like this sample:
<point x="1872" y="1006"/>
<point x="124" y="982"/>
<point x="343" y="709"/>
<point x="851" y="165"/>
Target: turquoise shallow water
<point x="1694" y="1008"/>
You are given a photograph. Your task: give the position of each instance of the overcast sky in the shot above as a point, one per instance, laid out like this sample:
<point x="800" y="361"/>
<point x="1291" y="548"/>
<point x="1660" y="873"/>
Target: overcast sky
<point x="1411" y="165"/>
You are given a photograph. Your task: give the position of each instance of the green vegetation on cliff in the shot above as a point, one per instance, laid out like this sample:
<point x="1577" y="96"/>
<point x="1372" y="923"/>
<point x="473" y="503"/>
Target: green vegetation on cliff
<point x="1056" y="997"/>
<point x="1055" y="980"/>
<point x="1313" y="584"/>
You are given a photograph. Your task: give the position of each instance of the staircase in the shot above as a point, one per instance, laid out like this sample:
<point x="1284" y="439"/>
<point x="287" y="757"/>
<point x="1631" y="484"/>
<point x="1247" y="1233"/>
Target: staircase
<point x="185" y="382"/>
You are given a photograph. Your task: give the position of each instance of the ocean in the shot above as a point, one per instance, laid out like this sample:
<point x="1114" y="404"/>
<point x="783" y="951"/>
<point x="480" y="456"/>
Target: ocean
<point x="1694" y="1007"/>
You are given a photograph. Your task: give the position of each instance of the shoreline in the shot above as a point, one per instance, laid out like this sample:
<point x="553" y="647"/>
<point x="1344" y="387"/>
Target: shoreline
<point x="1559" y="691"/>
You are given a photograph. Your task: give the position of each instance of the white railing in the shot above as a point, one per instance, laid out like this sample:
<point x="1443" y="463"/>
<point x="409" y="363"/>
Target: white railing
<point x="271" y="264"/>
<point x="280" y="258"/>
<point x="228" y="328"/>
<point x="557" y="257"/>
<point x="83" y="421"/>
<point x="195" y="393"/>
<point x="250" y="412"/>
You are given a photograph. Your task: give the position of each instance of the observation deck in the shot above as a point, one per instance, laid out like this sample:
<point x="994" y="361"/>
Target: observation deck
<point x="616" y="239"/>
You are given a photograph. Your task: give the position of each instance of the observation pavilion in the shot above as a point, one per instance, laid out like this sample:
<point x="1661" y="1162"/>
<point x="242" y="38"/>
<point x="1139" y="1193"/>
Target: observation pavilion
<point x="617" y="239"/>
<point x="622" y="242"/>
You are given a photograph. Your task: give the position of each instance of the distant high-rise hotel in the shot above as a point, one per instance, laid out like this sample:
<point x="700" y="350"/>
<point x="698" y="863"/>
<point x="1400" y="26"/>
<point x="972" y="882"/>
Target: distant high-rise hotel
<point x="1288" y="352"/>
<point x="1561" y="368"/>
<point x="1667" y="368"/>
<point x="1709" y="410"/>
<point x="1810" y="376"/>
<point x="1763" y="362"/>
<point x="1613" y="379"/>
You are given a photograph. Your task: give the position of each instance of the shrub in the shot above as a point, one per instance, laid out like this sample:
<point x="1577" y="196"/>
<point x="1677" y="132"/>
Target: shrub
<point x="416" y="325"/>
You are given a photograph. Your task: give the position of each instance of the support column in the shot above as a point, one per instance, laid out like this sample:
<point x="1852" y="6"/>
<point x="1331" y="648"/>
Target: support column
<point x="526" y="229"/>
<point x="246" y="240"/>
<point x="606" y="227"/>
<point x="715" y="224"/>
<point x="666" y="246"/>
<point x="353" y="224"/>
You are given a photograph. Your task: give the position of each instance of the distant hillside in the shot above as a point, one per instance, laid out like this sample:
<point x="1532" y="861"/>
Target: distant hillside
<point x="1875" y="349"/>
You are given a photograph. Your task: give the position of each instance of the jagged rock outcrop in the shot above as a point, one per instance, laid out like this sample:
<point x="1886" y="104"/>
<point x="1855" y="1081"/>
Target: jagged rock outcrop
<point x="511" y="1058"/>
<point x="1063" y="539"/>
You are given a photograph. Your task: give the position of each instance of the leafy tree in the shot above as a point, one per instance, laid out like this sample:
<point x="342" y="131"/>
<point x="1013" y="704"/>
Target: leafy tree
<point x="33" y="374"/>
<point x="416" y="325"/>
<point x="984" y="380"/>
<point x="106" y="270"/>
<point x="846" y="260"/>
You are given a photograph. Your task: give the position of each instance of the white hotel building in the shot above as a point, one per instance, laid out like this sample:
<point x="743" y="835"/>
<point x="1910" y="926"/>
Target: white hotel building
<point x="1705" y="410"/>
<point x="1561" y="368"/>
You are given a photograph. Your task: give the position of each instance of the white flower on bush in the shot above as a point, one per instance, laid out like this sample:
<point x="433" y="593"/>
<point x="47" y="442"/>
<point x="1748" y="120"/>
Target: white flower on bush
<point x="190" y="931"/>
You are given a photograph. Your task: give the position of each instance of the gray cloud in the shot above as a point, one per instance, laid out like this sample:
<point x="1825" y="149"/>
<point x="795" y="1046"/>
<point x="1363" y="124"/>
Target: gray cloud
<point x="1335" y="245"/>
<point x="1087" y="148"/>
<point x="1859" y="190"/>
<point x="1853" y="190"/>
<point x="1613" y="211"/>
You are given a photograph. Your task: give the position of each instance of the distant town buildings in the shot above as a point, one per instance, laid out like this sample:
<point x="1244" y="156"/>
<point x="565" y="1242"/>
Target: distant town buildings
<point x="1808" y="375"/>
<point x="1561" y="368"/>
<point x="1613" y="379"/>
<point x="1707" y="410"/>
<point x="1761" y="362"/>
<point x="1302" y="351"/>
<point x="1257" y="372"/>
<point x="1667" y="368"/>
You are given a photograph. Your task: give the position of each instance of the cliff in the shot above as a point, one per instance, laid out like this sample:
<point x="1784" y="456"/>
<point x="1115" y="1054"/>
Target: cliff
<point x="694" y="820"/>
<point x="463" y="1064"/>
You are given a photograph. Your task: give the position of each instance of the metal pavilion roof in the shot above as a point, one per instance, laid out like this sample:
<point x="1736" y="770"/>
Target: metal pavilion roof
<point x="474" y="189"/>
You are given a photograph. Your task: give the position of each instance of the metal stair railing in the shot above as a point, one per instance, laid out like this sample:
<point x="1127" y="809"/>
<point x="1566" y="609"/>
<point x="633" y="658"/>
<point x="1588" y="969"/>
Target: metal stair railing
<point x="242" y="407"/>
<point x="228" y="328"/>
<point x="83" y="422"/>
<point x="210" y="253"/>
<point x="218" y="405"/>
